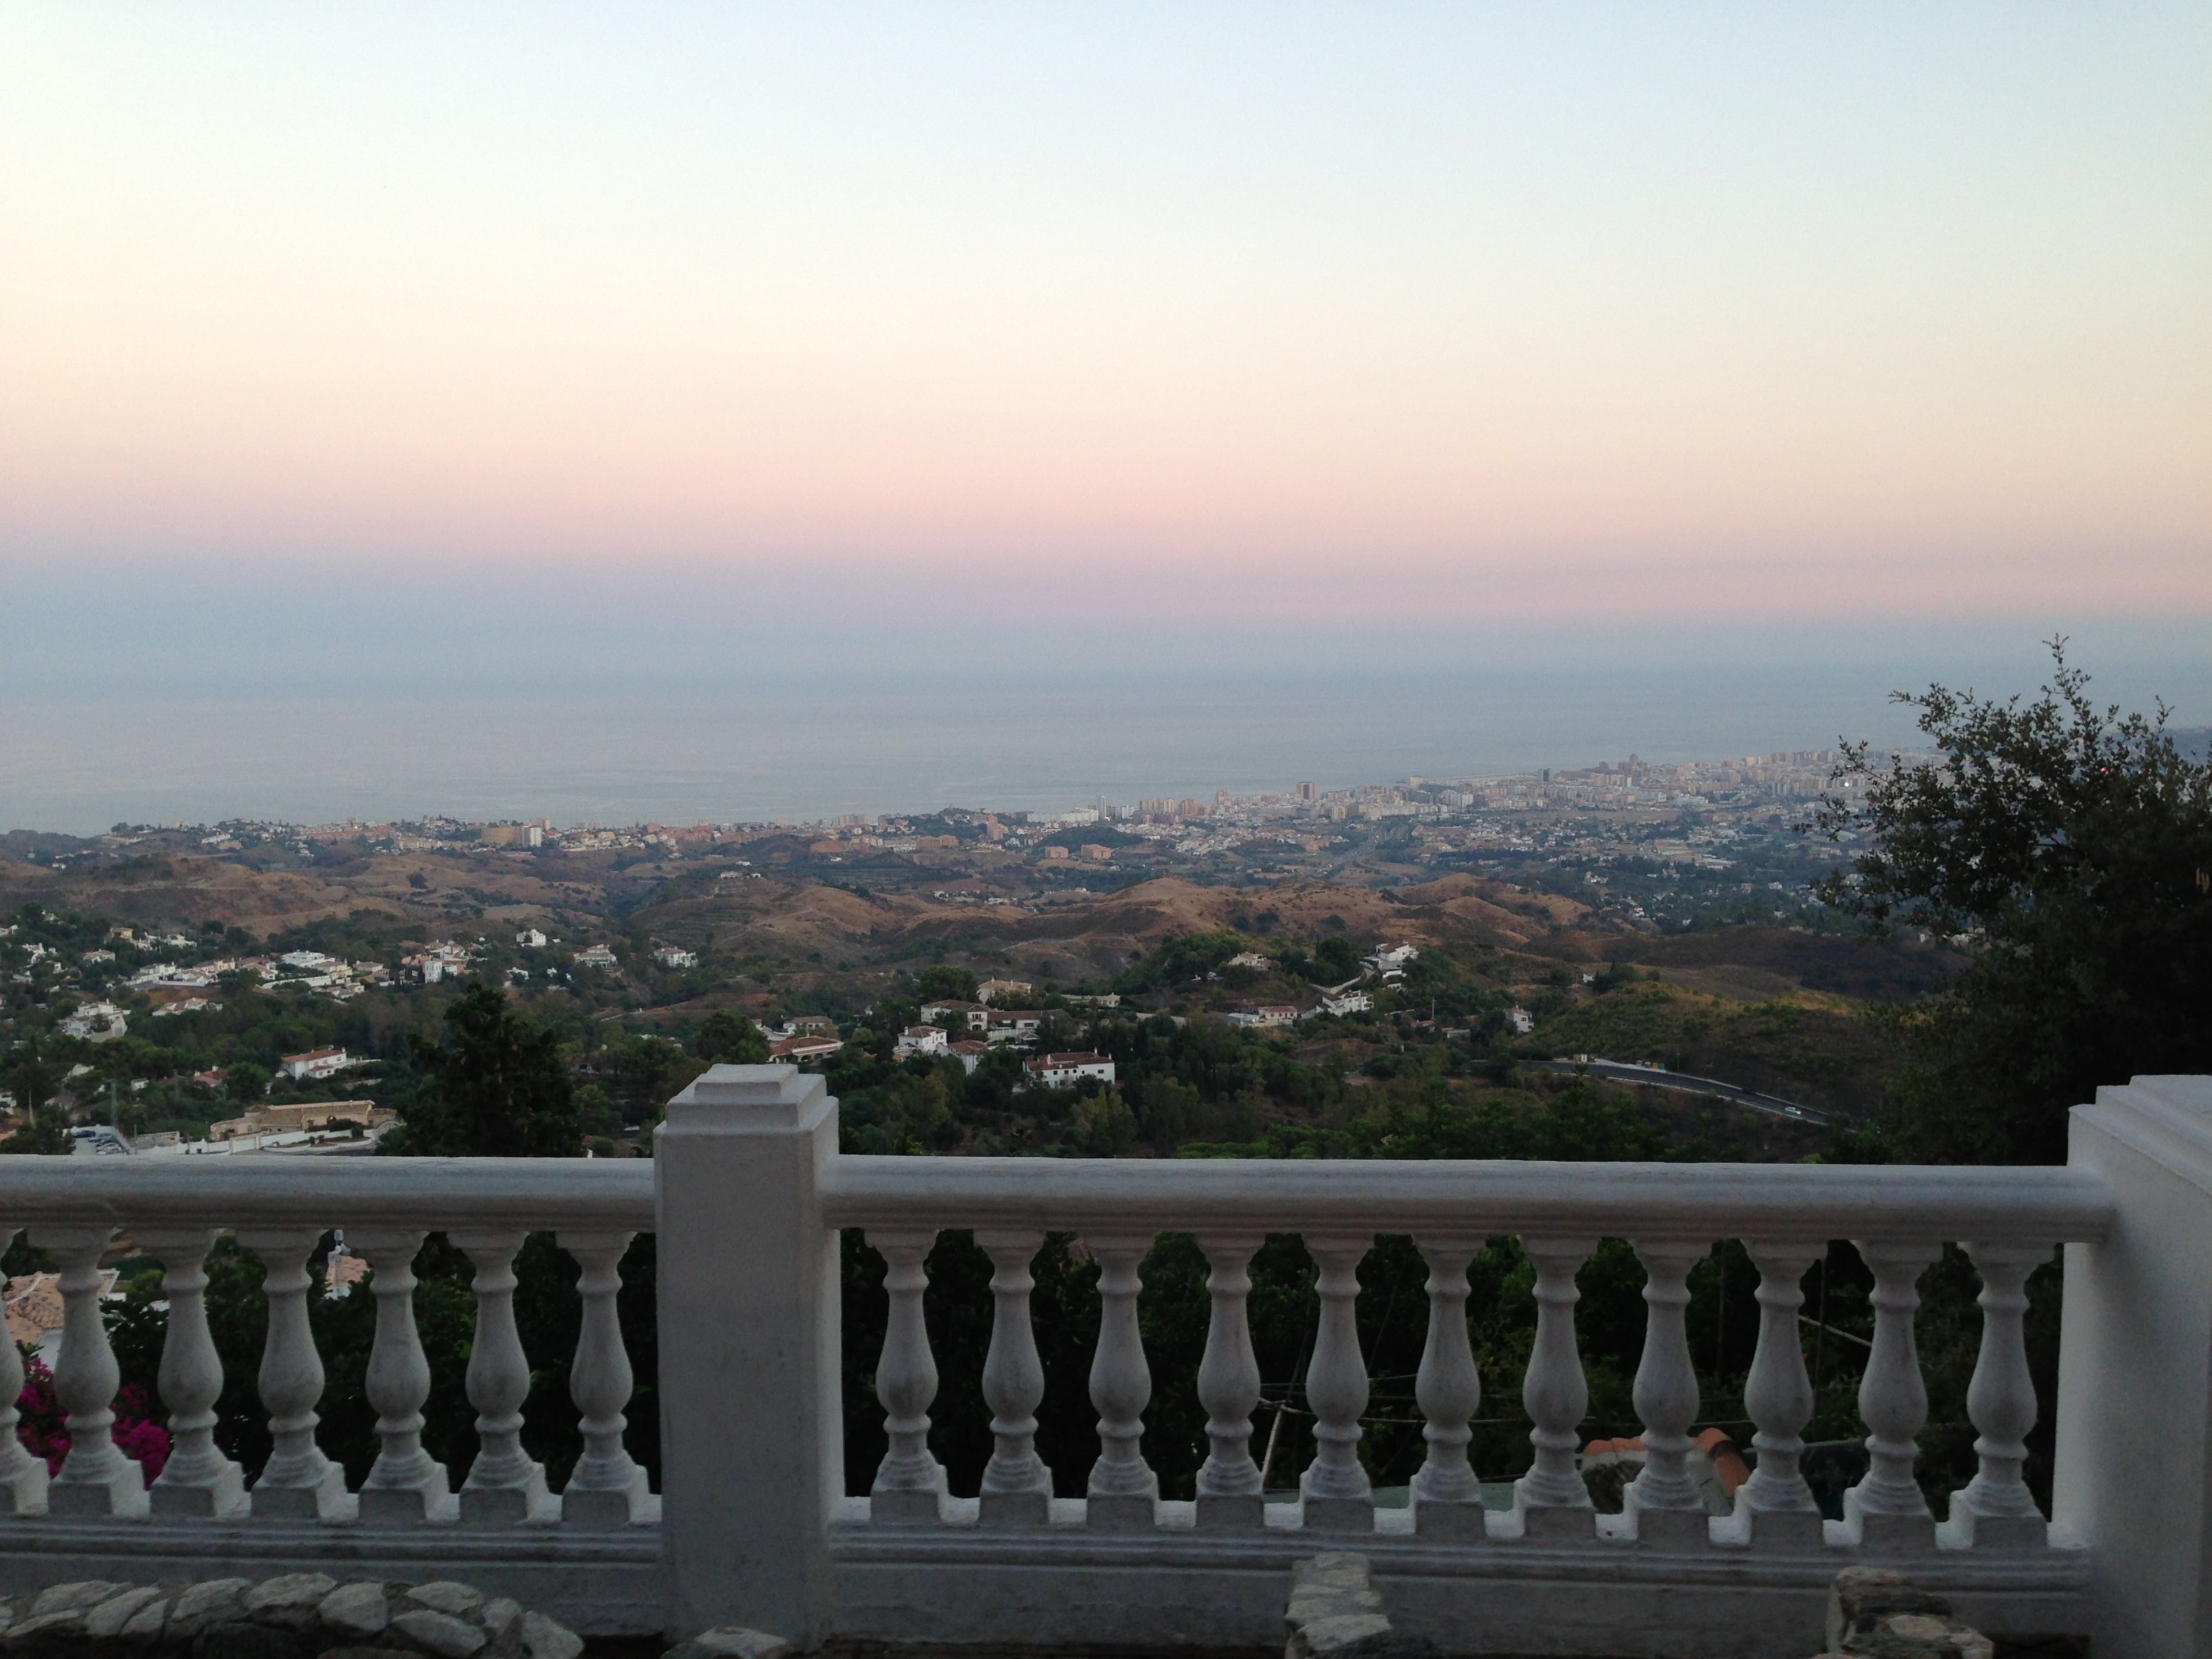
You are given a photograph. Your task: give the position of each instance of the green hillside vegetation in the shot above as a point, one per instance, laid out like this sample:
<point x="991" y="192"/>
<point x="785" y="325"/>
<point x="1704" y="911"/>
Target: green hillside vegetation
<point x="1818" y="1057"/>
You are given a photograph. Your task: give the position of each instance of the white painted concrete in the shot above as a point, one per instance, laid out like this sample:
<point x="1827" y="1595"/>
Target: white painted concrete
<point x="747" y="1187"/>
<point x="2133" y="1481"/>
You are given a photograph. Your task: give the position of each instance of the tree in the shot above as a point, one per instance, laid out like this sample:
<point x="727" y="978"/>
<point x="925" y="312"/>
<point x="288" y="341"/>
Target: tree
<point x="724" y="1038"/>
<point x="43" y="1130"/>
<point x="2067" y="849"/>
<point x="498" y="1086"/>
<point x="244" y="1082"/>
<point x="949" y="983"/>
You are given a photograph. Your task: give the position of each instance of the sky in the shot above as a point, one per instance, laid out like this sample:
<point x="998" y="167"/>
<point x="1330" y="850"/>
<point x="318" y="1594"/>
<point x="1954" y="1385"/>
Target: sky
<point x="1291" y="316"/>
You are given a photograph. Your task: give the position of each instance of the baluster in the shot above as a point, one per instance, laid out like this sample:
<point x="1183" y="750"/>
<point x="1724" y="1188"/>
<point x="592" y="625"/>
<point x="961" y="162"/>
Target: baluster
<point x="1335" y="1488"/>
<point x="1775" y="1504"/>
<point x="1122" y="1489"/>
<point x="909" y="1484"/>
<point x="405" y="1484"/>
<point x="198" y="1479"/>
<point x="22" y="1477"/>
<point x="607" y="1488"/>
<point x="1663" y="1500"/>
<point x="1447" y="1498"/>
<point x="1017" y="1487"/>
<point x="505" y="1484"/>
<point x="297" y="1482"/>
<point x="1229" y="1388"/>
<point x="1550" y="1500"/>
<point x="96" y="1478"/>
<point x="1995" y="1507"/>
<point x="1886" y="1506"/>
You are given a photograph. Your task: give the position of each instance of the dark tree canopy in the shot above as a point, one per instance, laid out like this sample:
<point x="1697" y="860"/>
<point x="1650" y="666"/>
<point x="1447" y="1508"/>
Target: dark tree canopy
<point x="2067" y="849"/>
<point x="498" y="1086"/>
<point x="941" y="980"/>
<point x="726" y="1038"/>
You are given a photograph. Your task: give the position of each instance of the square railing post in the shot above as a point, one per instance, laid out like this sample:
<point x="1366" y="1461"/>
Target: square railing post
<point x="2133" y="1470"/>
<point x="751" y="1428"/>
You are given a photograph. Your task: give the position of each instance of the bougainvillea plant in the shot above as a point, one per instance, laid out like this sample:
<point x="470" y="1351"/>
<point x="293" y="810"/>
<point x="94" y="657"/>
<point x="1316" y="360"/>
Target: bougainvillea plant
<point x="44" y="1433"/>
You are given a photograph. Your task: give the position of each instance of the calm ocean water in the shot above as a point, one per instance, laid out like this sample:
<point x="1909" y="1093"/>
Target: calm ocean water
<point x="81" y="764"/>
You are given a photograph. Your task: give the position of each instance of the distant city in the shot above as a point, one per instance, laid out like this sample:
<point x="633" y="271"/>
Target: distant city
<point x="1659" y="845"/>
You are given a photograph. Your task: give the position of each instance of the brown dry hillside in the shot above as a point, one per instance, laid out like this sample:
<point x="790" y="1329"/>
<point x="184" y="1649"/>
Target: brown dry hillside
<point x="772" y="918"/>
<point x="181" y="891"/>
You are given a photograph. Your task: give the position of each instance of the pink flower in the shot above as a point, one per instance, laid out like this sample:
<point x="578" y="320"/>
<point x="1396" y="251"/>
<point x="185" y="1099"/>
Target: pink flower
<point x="44" y="1434"/>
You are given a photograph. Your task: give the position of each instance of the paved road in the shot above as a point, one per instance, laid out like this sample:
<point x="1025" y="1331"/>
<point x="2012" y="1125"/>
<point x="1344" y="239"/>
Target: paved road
<point x="1619" y="1071"/>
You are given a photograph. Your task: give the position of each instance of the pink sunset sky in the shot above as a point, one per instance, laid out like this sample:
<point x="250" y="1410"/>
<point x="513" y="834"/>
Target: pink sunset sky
<point x="1280" y="311"/>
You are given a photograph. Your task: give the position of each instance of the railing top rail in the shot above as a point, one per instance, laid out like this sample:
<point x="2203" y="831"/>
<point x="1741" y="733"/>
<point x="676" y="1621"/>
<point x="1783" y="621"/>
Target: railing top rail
<point x="2037" y="1205"/>
<point x="271" y="1189"/>
<point x="2034" y="1206"/>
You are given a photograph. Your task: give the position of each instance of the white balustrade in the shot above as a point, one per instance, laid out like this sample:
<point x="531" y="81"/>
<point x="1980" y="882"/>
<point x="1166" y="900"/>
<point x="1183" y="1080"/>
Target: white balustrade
<point x="405" y="1484"/>
<point x="1996" y="1508"/>
<point x="22" y="1477"/>
<point x="607" y="1487"/>
<point x="1017" y="1487"/>
<point x="505" y="1484"/>
<point x="95" y="1479"/>
<point x="1776" y="1505"/>
<point x="198" y="1479"/>
<point x="1663" y="1500"/>
<point x="1229" y="1491"/>
<point x="1335" y="1489"/>
<point x="1550" y="1499"/>
<point x="1446" y="1496"/>
<point x="298" y="1482"/>
<point x="909" y="1483"/>
<point x="1887" y="1505"/>
<point x="761" y="1512"/>
<point x="1122" y="1489"/>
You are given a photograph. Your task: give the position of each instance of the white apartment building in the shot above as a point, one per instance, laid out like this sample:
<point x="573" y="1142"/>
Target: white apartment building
<point x="1066" y="1071"/>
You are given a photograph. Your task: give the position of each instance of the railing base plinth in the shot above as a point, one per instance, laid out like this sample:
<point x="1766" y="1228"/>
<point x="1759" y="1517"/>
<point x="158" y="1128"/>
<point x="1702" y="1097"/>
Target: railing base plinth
<point x="24" y="1492"/>
<point x="1966" y="1530"/>
<point x="1231" y="1512"/>
<point x="407" y="1506"/>
<point x="1014" y="1509"/>
<point x="1887" y="1535"/>
<point x="599" y="1509"/>
<point x="1337" y="1514"/>
<point x="224" y="1494"/>
<point x="1458" y="1518"/>
<point x="1122" y="1514"/>
<point x="907" y="1509"/>
<point x="1668" y="1529"/>
<point x="121" y="1497"/>
<point x="1556" y="1523"/>
<point x="326" y="1500"/>
<point x="508" y="1506"/>
<point x="1788" y="1530"/>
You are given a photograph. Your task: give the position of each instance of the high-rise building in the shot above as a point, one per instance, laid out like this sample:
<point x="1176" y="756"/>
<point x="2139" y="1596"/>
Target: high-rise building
<point x="1306" y="791"/>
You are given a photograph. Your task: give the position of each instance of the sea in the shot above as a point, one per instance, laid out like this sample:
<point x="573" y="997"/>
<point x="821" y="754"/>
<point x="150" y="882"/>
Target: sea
<point x="79" y="761"/>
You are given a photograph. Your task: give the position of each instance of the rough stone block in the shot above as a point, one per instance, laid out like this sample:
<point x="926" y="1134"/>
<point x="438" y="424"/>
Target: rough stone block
<point x="81" y="1596"/>
<point x="439" y="1634"/>
<point x="356" y="1612"/>
<point x="543" y="1639"/>
<point x="731" y="1641"/>
<point x="60" y="1635"/>
<point x="214" y="1602"/>
<point x="289" y="1602"/>
<point x="1861" y="1595"/>
<point x="443" y="1595"/>
<point x="108" y="1618"/>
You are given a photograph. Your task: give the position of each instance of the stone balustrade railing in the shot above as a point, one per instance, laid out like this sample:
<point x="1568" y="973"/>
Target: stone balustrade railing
<point x="2008" y="1221"/>
<point x="748" y="1195"/>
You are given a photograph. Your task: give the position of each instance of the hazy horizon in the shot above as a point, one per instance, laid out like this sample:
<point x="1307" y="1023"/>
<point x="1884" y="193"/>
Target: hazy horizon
<point x="1494" y="379"/>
